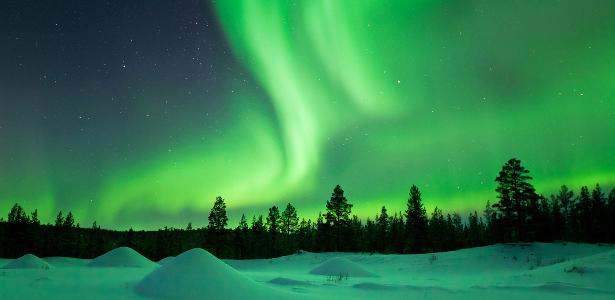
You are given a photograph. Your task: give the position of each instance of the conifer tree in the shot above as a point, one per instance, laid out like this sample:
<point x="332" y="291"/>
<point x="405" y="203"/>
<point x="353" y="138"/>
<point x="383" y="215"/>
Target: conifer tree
<point x="34" y="218"/>
<point x="59" y="220"/>
<point x="611" y="214"/>
<point x="217" y="216"/>
<point x="382" y="221"/>
<point x="338" y="215"/>
<point x="437" y="230"/>
<point x="289" y="221"/>
<point x="289" y="224"/>
<point x="69" y="222"/>
<point x="565" y="197"/>
<point x="599" y="213"/>
<point x="515" y="195"/>
<point x="217" y="223"/>
<point x="273" y="227"/>
<point x="416" y="221"/>
<point x="583" y="215"/>
<point x="17" y="215"/>
<point x="258" y="236"/>
<point x="241" y="238"/>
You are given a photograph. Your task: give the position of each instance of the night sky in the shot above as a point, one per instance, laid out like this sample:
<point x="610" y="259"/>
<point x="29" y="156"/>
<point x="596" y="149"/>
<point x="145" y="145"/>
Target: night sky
<point x="139" y="113"/>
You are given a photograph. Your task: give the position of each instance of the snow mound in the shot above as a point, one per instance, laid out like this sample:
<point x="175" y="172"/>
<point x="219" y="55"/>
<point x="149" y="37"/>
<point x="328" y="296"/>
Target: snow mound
<point x="166" y="260"/>
<point x="341" y="266"/>
<point x="196" y="274"/>
<point x="122" y="257"/>
<point x="28" y="261"/>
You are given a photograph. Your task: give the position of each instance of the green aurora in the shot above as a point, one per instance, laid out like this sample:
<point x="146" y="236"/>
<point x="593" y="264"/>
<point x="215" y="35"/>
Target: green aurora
<point x="372" y="95"/>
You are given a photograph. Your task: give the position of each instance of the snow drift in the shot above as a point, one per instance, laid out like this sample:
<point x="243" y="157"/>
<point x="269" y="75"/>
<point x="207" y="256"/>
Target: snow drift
<point x="166" y="260"/>
<point x="28" y="261"/>
<point x="341" y="266"/>
<point x="122" y="257"/>
<point x="196" y="274"/>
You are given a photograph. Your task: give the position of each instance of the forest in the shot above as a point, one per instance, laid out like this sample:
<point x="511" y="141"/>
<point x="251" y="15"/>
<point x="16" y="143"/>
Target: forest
<point x="519" y="214"/>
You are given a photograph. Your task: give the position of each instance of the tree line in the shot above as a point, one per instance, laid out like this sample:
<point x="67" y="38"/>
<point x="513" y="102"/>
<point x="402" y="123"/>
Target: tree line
<point x="519" y="214"/>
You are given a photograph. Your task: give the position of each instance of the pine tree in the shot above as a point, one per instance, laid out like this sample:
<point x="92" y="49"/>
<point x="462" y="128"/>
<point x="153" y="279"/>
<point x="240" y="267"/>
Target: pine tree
<point x="217" y="223"/>
<point x="59" y="220"/>
<point x="416" y="221"/>
<point x="69" y="222"/>
<point x="565" y="197"/>
<point x="557" y="219"/>
<point x="611" y="214"/>
<point x="475" y="230"/>
<point x="515" y="195"/>
<point x="17" y="215"/>
<point x="258" y="236"/>
<point x="34" y="218"/>
<point x="599" y="213"/>
<point x="241" y="238"/>
<point x="382" y="221"/>
<point x="338" y="215"/>
<point x="289" y="223"/>
<point x="273" y="227"/>
<point x="323" y="235"/>
<point x="436" y="230"/>
<point x="583" y="215"/>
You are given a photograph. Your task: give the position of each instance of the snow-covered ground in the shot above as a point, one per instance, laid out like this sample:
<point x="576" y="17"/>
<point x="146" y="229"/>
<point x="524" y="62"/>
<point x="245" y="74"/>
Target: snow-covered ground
<point x="531" y="271"/>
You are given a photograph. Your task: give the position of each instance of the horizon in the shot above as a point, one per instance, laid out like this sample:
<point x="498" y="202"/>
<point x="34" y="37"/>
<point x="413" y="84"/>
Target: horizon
<point x="139" y="114"/>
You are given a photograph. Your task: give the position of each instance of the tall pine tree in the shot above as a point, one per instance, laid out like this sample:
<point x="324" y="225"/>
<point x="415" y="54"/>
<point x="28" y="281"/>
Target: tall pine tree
<point x="416" y="221"/>
<point x="516" y="195"/>
<point x="338" y="216"/>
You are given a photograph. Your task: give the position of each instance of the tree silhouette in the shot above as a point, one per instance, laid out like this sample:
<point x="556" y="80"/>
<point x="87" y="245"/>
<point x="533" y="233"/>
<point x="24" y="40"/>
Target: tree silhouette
<point x="416" y="221"/>
<point x="273" y="227"/>
<point x="599" y="213"/>
<point x="515" y="195"/>
<point x="217" y="216"/>
<point x="338" y="215"/>
<point x="217" y="223"/>
<point x="289" y="224"/>
<point x="382" y="221"/>
<point x="584" y="215"/>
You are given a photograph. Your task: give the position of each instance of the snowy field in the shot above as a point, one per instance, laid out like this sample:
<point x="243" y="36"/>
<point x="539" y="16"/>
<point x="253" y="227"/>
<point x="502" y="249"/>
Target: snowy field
<point x="531" y="271"/>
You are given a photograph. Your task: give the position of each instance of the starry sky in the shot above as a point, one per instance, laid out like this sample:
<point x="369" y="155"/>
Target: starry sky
<point x="139" y="113"/>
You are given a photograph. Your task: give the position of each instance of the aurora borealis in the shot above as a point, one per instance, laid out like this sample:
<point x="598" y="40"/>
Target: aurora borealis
<point x="140" y="113"/>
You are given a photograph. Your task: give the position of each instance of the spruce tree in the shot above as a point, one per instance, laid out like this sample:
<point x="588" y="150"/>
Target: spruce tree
<point x="437" y="230"/>
<point x="69" y="222"/>
<point x="217" y="216"/>
<point x="289" y="223"/>
<point x="217" y="223"/>
<point x="599" y="213"/>
<point x="34" y="218"/>
<point x="241" y="238"/>
<point x="59" y="220"/>
<point x="416" y="221"/>
<point x="338" y="215"/>
<point x="584" y="218"/>
<point x="273" y="227"/>
<point x="17" y="215"/>
<point x="565" y="197"/>
<point x="516" y="195"/>
<point x="382" y="221"/>
<point x="258" y="236"/>
<point x="611" y="214"/>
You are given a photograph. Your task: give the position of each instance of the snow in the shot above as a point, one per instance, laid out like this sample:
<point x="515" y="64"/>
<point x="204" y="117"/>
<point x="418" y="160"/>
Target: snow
<point x="166" y="260"/>
<point x="122" y="257"/>
<point x="196" y="274"/>
<point x="343" y="267"/>
<point x="530" y="271"/>
<point x="28" y="261"/>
